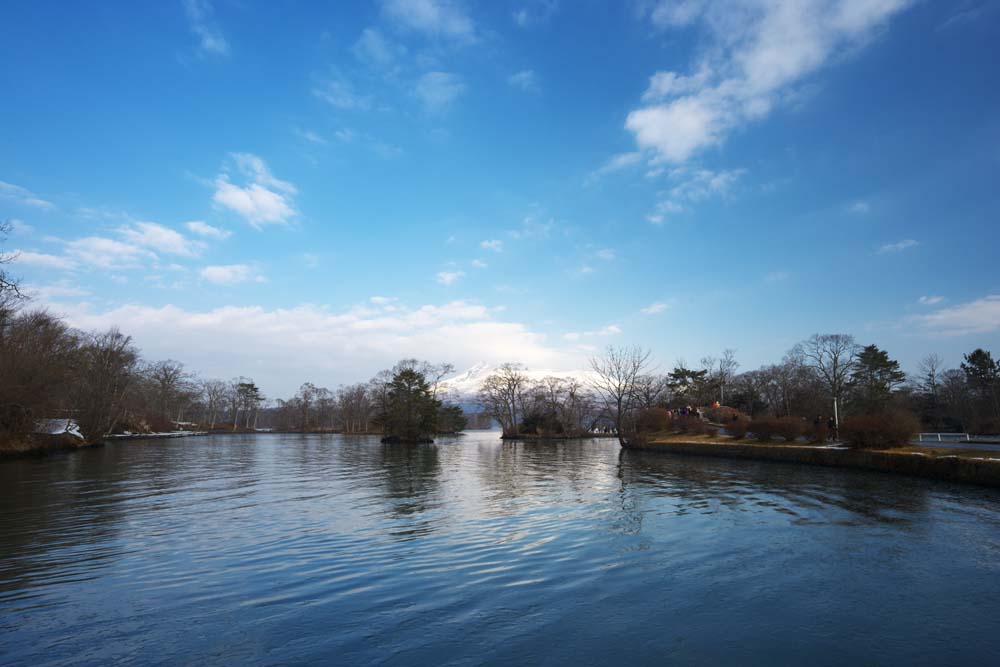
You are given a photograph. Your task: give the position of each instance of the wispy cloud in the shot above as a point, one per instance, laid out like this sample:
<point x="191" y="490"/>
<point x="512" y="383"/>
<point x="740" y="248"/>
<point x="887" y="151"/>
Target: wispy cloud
<point x="437" y="90"/>
<point x="860" y="207"/>
<point x="655" y="308"/>
<point x="229" y="274"/>
<point x="974" y="317"/>
<point x="339" y="92"/>
<point x="435" y="18"/>
<point x="210" y="39"/>
<point x="208" y="231"/>
<point x="534" y="12"/>
<point x="609" y="330"/>
<point x="449" y="277"/>
<point x="525" y="80"/>
<point x="159" y="238"/>
<point x="899" y="246"/>
<point x="495" y="245"/>
<point x="376" y="50"/>
<point x="105" y="253"/>
<point x="311" y="137"/>
<point x="757" y="53"/>
<point x="23" y="196"/>
<point x="615" y="163"/>
<point x="262" y="200"/>
<point x="43" y="261"/>
<point x="930" y="300"/>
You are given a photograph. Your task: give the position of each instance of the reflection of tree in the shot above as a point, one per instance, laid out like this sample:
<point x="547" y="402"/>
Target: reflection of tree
<point x="516" y="470"/>
<point x="410" y="476"/>
<point x="702" y="484"/>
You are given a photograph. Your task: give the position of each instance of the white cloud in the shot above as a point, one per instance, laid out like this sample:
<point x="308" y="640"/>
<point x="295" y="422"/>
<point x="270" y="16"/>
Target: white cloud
<point x="264" y="199"/>
<point x="607" y="254"/>
<point x="210" y="39"/>
<point x="930" y="300"/>
<point x="204" y="229"/>
<point x="898" y="246"/>
<point x="437" y="90"/>
<point x="311" y="260"/>
<point x="437" y="18"/>
<point x="229" y="274"/>
<point x="311" y="137"/>
<point x="58" y="290"/>
<point x="156" y="237"/>
<point x="20" y="227"/>
<point x="105" y="253"/>
<point x="654" y="308"/>
<point x="975" y="317"/>
<point x="340" y="93"/>
<point x="534" y="12"/>
<point x="693" y="185"/>
<point x="524" y="80"/>
<point x="376" y="50"/>
<point x="495" y="245"/>
<point x="609" y="330"/>
<point x="615" y="163"/>
<point x="860" y="207"/>
<point x="757" y="53"/>
<point x="449" y="277"/>
<point x="43" y="261"/>
<point x="23" y="196"/>
<point x="479" y="264"/>
<point x="282" y="348"/>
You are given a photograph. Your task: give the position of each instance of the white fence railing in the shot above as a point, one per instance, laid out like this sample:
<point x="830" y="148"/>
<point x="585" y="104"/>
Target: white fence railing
<point x="943" y="437"/>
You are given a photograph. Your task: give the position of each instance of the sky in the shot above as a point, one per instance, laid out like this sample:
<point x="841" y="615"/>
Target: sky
<point x="304" y="191"/>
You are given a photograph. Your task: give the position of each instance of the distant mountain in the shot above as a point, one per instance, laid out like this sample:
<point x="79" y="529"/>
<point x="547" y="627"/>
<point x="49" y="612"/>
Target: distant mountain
<point x="463" y="387"/>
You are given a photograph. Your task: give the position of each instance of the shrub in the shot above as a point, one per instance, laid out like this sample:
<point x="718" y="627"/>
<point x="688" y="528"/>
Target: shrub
<point x="883" y="431"/>
<point x="737" y="429"/>
<point x="652" y="420"/>
<point x="763" y="428"/>
<point x="789" y="428"/>
<point x="724" y="415"/>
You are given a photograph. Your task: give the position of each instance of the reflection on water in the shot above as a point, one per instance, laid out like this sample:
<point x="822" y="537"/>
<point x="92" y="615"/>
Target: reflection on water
<point x="297" y="549"/>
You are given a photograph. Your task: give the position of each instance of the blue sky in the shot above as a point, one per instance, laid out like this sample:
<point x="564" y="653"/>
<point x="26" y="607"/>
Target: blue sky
<point x="293" y="191"/>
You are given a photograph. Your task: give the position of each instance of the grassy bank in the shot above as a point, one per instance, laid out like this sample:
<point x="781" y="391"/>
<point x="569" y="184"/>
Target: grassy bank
<point x="973" y="467"/>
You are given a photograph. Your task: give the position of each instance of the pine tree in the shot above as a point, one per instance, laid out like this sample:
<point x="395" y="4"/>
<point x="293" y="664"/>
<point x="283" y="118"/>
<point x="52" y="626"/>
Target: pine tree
<point x="874" y="378"/>
<point x="411" y="410"/>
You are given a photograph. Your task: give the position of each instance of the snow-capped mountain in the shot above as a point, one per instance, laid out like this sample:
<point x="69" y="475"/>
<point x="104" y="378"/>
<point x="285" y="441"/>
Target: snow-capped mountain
<point x="465" y="385"/>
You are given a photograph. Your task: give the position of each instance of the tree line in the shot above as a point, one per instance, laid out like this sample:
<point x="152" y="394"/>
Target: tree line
<point x="826" y="377"/>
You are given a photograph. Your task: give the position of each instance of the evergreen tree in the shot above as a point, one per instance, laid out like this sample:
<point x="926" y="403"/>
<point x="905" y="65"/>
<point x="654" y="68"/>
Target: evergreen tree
<point x="982" y="373"/>
<point x="451" y="419"/>
<point x="411" y="410"/>
<point x="874" y="378"/>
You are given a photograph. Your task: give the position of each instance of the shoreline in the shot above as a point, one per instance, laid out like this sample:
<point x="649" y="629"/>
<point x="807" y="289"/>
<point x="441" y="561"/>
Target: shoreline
<point x="951" y="468"/>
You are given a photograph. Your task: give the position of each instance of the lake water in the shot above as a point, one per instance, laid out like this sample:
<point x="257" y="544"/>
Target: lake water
<point x="287" y="549"/>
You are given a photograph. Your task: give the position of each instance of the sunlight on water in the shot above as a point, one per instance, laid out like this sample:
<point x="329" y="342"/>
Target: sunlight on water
<point x="284" y="549"/>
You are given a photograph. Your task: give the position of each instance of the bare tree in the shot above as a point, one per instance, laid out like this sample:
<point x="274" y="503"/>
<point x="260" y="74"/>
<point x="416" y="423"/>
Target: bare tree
<point x="214" y="393"/>
<point x="108" y="369"/>
<point x="9" y="286"/>
<point x="502" y="396"/>
<point x="832" y="356"/>
<point x="616" y="378"/>
<point x="652" y="390"/>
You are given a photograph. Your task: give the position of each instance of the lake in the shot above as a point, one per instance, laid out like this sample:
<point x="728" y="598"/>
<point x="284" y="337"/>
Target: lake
<point x="299" y="549"/>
